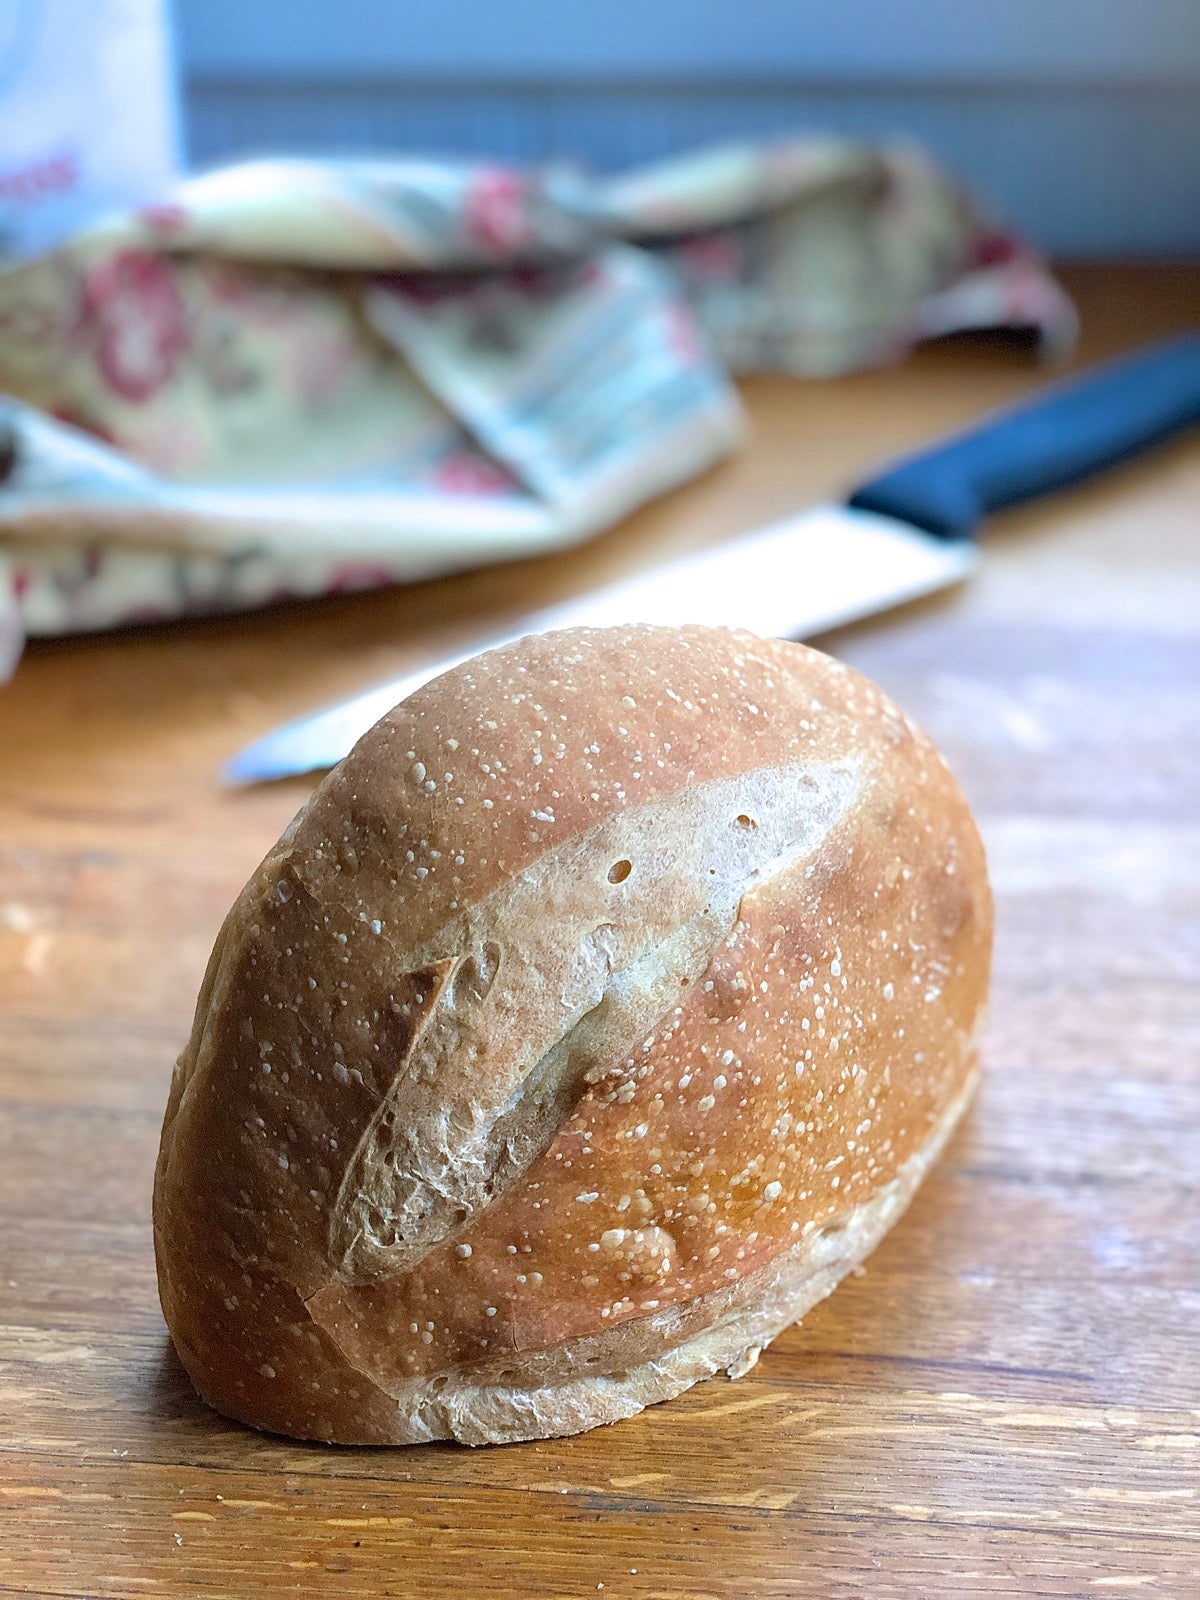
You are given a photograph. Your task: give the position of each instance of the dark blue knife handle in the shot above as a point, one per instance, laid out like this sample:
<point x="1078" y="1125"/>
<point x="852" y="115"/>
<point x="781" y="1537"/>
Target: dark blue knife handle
<point x="1070" y="431"/>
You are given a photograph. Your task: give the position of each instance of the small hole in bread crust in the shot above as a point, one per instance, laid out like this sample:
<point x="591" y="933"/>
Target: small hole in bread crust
<point x="619" y="871"/>
<point x="474" y="977"/>
<point x="743" y="821"/>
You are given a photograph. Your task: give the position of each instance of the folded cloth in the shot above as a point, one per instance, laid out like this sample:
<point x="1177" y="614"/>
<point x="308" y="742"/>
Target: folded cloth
<point x="298" y="378"/>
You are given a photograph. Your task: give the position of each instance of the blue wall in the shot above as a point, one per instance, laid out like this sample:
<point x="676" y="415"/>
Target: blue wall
<point x="1080" y="119"/>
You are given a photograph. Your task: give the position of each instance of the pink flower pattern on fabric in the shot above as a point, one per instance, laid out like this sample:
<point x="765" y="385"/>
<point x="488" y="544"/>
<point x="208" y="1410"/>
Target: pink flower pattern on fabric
<point x="467" y="472"/>
<point x="494" y="215"/>
<point x="132" y="309"/>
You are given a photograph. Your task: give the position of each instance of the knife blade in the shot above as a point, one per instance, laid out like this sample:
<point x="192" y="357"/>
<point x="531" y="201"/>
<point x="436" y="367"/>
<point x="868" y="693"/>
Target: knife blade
<point x="903" y="534"/>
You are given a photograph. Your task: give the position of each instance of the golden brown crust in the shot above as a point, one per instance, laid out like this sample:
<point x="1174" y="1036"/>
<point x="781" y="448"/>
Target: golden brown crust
<point x="605" y="972"/>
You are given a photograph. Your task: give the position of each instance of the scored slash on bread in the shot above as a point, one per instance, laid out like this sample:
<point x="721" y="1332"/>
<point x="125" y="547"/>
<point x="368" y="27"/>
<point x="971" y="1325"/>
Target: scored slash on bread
<point x="596" y="1016"/>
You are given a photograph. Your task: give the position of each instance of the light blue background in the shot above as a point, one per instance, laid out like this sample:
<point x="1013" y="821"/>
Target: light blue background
<point x="1078" y="119"/>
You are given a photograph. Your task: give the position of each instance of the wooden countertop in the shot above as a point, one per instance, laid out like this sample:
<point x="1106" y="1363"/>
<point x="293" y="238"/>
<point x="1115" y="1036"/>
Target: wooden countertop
<point x="1006" y="1402"/>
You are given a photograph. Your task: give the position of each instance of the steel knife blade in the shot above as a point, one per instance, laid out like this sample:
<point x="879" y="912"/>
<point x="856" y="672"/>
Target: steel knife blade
<point x="905" y="533"/>
<point x="801" y="576"/>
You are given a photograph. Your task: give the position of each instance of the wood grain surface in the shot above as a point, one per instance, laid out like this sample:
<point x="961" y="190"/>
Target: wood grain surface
<point x="1005" y="1402"/>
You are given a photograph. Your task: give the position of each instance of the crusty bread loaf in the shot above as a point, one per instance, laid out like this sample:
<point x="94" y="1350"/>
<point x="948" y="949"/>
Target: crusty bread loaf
<point x="597" y="1015"/>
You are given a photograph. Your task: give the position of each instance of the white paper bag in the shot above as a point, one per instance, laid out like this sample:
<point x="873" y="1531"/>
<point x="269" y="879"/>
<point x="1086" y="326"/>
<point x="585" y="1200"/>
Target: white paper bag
<point x="88" y="116"/>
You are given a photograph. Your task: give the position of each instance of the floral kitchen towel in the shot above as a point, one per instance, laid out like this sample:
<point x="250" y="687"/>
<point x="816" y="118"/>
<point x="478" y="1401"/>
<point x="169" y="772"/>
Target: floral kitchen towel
<point x="298" y="378"/>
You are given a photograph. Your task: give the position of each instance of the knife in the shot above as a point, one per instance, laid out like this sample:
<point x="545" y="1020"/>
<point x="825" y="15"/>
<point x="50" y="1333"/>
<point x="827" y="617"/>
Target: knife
<point x="904" y="533"/>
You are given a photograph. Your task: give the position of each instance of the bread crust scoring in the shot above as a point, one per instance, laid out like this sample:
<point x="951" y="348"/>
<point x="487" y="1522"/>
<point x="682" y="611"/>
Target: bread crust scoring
<point x="612" y="977"/>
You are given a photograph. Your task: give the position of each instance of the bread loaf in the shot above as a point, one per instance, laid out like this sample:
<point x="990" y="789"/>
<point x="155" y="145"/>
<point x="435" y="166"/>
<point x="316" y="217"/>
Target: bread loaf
<point x="600" y="1011"/>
